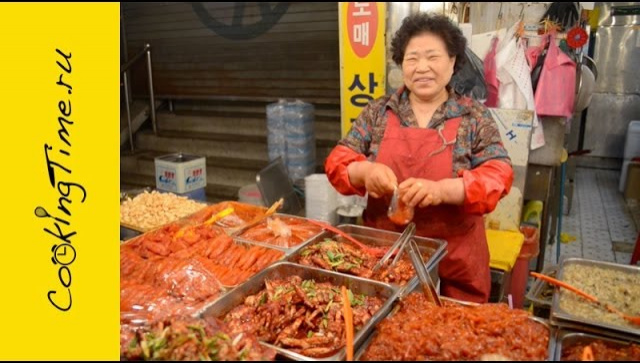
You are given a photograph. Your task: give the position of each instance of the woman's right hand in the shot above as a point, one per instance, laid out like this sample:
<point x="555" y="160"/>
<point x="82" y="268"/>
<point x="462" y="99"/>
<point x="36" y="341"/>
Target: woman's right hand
<point x="377" y="178"/>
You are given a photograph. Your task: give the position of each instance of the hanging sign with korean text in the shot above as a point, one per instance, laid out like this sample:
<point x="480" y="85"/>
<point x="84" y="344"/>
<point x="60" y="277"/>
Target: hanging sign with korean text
<point x="362" y="57"/>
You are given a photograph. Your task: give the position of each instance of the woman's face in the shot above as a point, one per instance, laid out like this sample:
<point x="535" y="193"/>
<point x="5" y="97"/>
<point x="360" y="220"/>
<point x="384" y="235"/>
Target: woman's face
<point x="426" y="66"/>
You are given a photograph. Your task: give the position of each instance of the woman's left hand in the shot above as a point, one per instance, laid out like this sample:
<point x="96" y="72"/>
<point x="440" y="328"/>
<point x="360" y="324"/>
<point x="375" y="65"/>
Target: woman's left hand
<point x="420" y="192"/>
<point x="424" y="192"/>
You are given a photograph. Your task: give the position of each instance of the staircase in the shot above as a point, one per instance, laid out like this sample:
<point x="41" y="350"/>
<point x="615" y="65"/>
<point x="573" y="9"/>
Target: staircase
<point x="231" y="134"/>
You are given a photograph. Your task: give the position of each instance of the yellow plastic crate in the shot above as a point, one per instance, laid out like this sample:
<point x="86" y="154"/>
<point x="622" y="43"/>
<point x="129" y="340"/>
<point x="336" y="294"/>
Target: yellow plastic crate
<point x="504" y="248"/>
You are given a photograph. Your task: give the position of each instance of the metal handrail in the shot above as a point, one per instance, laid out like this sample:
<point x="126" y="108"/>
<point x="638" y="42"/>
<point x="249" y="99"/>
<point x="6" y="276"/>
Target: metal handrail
<point x="124" y="70"/>
<point x="126" y="66"/>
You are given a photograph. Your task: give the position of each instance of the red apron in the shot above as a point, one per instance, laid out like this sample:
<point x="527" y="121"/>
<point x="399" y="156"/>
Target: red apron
<point x="422" y="153"/>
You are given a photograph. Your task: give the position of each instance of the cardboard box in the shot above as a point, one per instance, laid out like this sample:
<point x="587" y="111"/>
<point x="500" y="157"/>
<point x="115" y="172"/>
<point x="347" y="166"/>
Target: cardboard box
<point x="180" y="173"/>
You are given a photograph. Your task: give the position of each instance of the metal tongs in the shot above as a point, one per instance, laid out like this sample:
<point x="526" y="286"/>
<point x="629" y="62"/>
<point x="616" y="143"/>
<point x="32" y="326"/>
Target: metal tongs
<point x="397" y="247"/>
<point x="428" y="287"/>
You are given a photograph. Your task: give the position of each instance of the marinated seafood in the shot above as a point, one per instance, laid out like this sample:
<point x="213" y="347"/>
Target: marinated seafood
<point x="302" y="316"/>
<point x="161" y="275"/>
<point x="344" y="257"/>
<point x="419" y="330"/>
<point x="181" y="338"/>
<point x="242" y="214"/>
<point x="602" y="351"/>
<point x="282" y="231"/>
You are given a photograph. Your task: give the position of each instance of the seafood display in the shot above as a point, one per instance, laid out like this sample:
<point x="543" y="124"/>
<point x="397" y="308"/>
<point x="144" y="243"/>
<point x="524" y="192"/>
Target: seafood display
<point x="162" y="274"/>
<point x="303" y="316"/>
<point x="149" y="210"/>
<point x="346" y="258"/>
<point x="281" y="231"/>
<point x="600" y="350"/>
<point x="241" y="215"/>
<point x="419" y="330"/>
<point x="182" y="338"/>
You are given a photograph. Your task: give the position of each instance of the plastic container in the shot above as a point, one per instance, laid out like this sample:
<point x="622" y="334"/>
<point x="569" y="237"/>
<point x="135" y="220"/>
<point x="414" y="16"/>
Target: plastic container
<point x="180" y="173"/>
<point x="250" y="194"/>
<point x="321" y="198"/>
<point x="504" y="250"/>
<point x="632" y="142"/>
<point x="291" y="136"/>
<point x="631" y="151"/>
<point x="520" y="273"/>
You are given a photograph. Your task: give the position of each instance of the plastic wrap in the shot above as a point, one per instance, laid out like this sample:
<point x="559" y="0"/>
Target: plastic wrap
<point x="291" y="136"/>
<point x="469" y="80"/>
<point x="285" y="232"/>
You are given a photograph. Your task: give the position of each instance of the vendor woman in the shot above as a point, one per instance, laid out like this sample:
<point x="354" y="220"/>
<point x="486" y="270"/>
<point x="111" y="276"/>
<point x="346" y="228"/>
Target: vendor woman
<point x="442" y="152"/>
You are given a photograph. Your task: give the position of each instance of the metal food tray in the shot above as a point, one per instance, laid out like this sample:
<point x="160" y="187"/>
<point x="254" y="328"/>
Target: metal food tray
<point x="560" y="316"/>
<point x="567" y="338"/>
<point x="236" y="241"/>
<point x="249" y="244"/>
<point x="382" y="238"/>
<point x="534" y="295"/>
<point x="288" y="251"/>
<point x="285" y="269"/>
<point x="551" y="348"/>
<point x="129" y="231"/>
<point x="588" y="329"/>
<point x="375" y="237"/>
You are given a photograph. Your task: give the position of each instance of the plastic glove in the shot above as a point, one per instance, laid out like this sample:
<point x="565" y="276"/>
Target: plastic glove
<point x="336" y="168"/>
<point x="485" y="185"/>
<point x="379" y="179"/>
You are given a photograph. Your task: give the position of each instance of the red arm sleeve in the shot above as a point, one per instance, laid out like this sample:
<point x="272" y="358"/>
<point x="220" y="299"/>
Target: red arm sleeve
<point x="485" y="185"/>
<point x="336" y="168"/>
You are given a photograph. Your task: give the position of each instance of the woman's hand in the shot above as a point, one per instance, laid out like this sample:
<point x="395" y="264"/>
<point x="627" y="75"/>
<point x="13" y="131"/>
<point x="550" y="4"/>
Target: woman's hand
<point x="377" y="178"/>
<point x="423" y="192"/>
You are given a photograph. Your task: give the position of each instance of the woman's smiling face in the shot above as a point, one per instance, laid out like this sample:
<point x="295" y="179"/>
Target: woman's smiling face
<point x="427" y="67"/>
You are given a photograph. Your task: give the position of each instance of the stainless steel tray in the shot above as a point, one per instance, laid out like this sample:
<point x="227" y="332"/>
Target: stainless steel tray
<point x="589" y="329"/>
<point x="131" y="230"/>
<point x="288" y="251"/>
<point x="542" y="305"/>
<point x="560" y="315"/>
<point x="285" y="269"/>
<point x="381" y="238"/>
<point x="432" y="263"/>
<point x="567" y="338"/>
<point x="552" y="341"/>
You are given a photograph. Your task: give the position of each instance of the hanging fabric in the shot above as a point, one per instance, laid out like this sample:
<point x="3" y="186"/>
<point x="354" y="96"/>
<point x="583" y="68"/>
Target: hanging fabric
<point x="514" y="78"/>
<point x="490" y="75"/>
<point x="555" y="93"/>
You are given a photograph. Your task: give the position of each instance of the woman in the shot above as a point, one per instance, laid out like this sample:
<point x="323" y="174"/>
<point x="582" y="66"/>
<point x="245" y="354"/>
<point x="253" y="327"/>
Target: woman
<point x="442" y="151"/>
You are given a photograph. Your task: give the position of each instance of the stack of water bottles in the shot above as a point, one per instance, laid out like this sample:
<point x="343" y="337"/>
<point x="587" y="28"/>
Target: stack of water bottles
<point x="291" y="136"/>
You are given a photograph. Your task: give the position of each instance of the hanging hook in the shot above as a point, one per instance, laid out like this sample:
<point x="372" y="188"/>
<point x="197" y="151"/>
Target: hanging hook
<point x="499" y="20"/>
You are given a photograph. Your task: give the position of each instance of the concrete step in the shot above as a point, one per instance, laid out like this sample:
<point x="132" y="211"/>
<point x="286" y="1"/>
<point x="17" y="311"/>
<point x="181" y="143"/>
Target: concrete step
<point x="139" y="112"/>
<point x="223" y="182"/>
<point x="214" y="193"/>
<point x="240" y="123"/>
<point x="223" y="149"/>
<point x="323" y="112"/>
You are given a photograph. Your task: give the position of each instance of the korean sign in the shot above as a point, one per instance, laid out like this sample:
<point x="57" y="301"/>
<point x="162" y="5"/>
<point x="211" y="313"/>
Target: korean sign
<point x="362" y="57"/>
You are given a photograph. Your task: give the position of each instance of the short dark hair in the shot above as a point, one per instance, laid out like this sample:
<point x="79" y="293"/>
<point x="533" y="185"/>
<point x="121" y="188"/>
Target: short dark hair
<point x="439" y="25"/>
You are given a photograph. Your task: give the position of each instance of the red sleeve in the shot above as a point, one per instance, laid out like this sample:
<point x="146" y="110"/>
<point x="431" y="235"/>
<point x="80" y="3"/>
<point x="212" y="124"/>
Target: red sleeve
<point x="336" y="169"/>
<point x="485" y="185"/>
